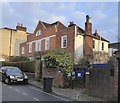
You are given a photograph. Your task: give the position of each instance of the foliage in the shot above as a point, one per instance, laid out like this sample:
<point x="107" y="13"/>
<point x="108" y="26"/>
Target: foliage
<point x="61" y="59"/>
<point x="18" y="59"/>
<point x="84" y="62"/>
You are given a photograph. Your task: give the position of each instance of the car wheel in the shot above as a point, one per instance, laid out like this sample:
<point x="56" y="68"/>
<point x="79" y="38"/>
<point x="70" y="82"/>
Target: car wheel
<point x="7" y="81"/>
<point x="26" y="82"/>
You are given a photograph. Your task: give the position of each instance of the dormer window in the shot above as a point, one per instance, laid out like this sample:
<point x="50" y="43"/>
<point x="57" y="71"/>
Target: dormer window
<point x="39" y="32"/>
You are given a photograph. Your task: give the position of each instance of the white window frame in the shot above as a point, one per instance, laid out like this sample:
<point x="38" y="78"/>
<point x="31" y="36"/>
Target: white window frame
<point x="30" y="47"/>
<point x="39" y="32"/>
<point x="47" y="43"/>
<point x="23" y="50"/>
<point x="62" y="41"/>
<point x="38" y="46"/>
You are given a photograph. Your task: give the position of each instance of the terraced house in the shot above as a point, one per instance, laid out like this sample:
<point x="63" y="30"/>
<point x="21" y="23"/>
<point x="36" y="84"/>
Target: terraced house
<point x="72" y="38"/>
<point x="10" y="41"/>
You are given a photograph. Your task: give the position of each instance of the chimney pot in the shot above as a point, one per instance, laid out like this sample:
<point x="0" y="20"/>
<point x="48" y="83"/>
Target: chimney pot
<point x="71" y="24"/>
<point x="88" y="18"/>
<point x="96" y="31"/>
<point x="20" y="27"/>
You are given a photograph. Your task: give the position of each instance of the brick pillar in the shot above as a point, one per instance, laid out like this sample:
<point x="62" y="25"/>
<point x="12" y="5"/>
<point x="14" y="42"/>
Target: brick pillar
<point x="38" y="69"/>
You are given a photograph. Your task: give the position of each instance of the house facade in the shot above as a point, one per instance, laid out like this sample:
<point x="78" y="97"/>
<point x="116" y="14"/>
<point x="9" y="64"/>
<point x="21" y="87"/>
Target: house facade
<point x="72" y="38"/>
<point x="10" y="41"/>
<point x="113" y="47"/>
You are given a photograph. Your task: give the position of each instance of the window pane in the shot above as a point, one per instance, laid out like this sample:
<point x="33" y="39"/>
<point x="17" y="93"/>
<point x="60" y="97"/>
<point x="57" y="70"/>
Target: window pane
<point x="64" y="41"/>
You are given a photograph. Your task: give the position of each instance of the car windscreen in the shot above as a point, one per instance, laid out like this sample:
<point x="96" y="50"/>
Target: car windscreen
<point x="13" y="70"/>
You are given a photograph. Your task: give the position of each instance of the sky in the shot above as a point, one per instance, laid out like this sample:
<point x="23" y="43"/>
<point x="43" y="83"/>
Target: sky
<point x="104" y="15"/>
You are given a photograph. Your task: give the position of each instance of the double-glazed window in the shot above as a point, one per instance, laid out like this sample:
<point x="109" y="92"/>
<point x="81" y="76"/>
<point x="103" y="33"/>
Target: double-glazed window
<point x="23" y="50"/>
<point x="38" y="46"/>
<point x="30" y="47"/>
<point x="64" y="41"/>
<point x="47" y="43"/>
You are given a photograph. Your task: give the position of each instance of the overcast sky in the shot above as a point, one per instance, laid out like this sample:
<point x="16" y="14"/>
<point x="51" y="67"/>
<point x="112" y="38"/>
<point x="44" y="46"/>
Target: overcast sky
<point x="104" y="15"/>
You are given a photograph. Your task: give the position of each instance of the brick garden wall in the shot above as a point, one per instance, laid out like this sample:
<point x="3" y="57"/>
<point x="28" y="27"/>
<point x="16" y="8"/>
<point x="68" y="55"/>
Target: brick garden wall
<point x="58" y="80"/>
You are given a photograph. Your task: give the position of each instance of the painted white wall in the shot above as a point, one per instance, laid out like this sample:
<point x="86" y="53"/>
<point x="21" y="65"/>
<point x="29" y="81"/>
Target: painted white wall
<point x="78" y="46"/>
<point x="98" y="45"/>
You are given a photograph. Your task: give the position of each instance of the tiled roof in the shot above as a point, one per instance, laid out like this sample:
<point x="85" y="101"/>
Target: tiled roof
<point x="96" y="36"/>
<point x="46" y="24"/>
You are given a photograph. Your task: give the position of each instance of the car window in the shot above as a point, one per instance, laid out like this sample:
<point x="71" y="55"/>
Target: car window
<point x="13" y="70"/>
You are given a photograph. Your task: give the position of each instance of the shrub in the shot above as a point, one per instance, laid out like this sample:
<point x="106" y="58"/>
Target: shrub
<point x="61" y="59"/>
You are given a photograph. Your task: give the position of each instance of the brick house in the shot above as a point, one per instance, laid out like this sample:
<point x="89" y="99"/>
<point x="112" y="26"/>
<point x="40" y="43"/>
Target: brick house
<point x="72" y="38"/>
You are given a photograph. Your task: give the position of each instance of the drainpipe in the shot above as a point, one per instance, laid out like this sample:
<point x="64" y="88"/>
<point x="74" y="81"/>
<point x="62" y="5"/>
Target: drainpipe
<point x="10" y="43"/>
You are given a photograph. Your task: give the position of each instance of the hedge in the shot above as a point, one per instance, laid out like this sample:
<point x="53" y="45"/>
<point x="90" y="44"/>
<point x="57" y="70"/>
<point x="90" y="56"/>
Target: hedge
<point x="25" y="66"/>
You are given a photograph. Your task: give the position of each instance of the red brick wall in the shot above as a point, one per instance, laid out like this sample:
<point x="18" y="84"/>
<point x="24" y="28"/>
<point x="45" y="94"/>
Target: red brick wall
<point x="88" y="46"/>
<point x="58" y="80"/>
<point x="52" y="43"/>
<point x="70" y="39"/>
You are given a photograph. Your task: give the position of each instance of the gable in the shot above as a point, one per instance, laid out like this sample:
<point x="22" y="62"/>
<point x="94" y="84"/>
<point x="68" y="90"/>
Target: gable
<point x="40" y="26"/>
<point x="60" y="26"/>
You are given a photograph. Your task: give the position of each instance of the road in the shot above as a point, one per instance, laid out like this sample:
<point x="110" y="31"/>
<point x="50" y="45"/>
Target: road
<point x="21" y="92"/>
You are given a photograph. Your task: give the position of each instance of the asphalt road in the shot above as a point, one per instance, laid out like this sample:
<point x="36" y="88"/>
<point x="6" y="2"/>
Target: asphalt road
<point x="21" y="92"/>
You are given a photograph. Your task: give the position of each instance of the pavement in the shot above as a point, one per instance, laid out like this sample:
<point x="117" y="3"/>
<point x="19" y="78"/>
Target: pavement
<point x="76" y="94"/>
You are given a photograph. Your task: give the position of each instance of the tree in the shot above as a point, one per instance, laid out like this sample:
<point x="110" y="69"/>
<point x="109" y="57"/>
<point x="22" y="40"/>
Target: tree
<point x="61" y="59"/>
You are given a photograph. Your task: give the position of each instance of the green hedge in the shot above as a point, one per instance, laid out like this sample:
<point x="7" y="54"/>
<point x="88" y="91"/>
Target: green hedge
<point x="25" y="66"/>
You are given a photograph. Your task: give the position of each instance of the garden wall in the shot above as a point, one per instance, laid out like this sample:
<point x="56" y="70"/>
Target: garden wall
<point x="26" y="66"/>
<point x="101" y="83"/>
<point x="58" y="80"/>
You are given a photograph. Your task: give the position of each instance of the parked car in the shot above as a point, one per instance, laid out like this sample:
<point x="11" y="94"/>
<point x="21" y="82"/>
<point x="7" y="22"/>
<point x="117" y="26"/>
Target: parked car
<point x="11" y="74"/>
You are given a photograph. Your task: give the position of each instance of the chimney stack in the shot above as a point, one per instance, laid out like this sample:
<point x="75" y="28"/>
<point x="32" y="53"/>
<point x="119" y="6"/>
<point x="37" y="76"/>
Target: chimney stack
<point x="71" y="24"/>
<point x="96" y="33"/>
<point x="88" y="25"/>
<point x="88" y="39"/>
<point x="20" y="27"/>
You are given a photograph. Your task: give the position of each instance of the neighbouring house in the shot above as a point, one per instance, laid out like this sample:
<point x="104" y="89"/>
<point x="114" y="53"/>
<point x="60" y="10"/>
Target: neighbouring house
<point x="10" y="41"/>
<point x="113" y="47"/>
<point x="77" y="41"/>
